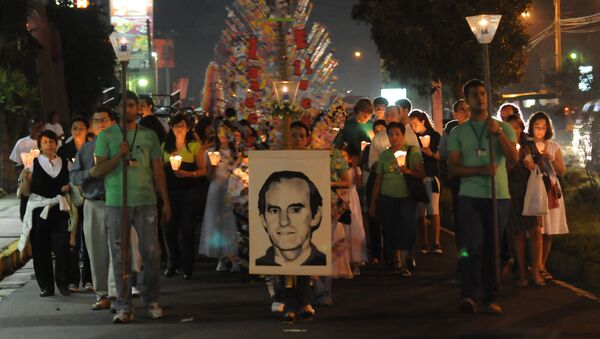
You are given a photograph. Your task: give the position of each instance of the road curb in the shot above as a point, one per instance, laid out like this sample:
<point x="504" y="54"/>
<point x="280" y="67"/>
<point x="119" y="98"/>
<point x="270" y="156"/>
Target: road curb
<point x="11" y="259"/>
<point x="572" y="267"/>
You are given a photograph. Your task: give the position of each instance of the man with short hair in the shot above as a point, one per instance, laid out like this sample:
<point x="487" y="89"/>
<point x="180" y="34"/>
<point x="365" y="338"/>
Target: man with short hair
<point x="95" y="229"/>
<point x="290" y="208"/>
<point x="356" y="129"/>
<point x="142" y="154"/>
<point x="380" y="104"/>
<point x="469" y="159"/>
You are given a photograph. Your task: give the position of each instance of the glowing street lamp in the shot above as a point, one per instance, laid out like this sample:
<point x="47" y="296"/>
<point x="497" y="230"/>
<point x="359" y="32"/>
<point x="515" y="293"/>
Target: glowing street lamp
<point x="357" y="54"/>
<point x="285" y="91"/>
<point x="143" y="82"/>
<point x="122" y="47"/>
<point x="484" y="28"/>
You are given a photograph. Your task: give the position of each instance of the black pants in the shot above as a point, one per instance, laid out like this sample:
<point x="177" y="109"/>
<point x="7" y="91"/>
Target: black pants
<point x="375" y="236"/>
<point x="23" y="207"/>
<point x="48" y="236"/>
<point x="79" y="254"/>
<point x="295" y="298"/>
<point x="179" y="232"/>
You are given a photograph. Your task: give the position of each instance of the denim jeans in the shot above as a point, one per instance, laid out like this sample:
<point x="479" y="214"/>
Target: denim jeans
<point x="144" y="220"/>
<point x="399" y="219"/>
<point x="477" y="254"/>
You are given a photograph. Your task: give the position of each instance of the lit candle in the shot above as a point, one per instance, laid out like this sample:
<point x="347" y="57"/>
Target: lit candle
<point x="214" y="157"/>
<point x="363" y="145"/>
<point x="175" y="162"/>
<point x="425" y="139"/>
<point x="518" y="147"/>
<point x="541" y="146"/>
<point x="400" y="157"/>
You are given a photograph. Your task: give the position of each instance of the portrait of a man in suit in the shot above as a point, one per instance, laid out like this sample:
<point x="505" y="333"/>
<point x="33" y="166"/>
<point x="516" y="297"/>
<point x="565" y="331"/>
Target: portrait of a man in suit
<point x="291" y="209"/>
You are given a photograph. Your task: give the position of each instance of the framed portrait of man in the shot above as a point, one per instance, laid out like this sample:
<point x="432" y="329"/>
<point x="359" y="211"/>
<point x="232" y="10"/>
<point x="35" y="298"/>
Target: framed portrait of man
<point x="290" y="212"/>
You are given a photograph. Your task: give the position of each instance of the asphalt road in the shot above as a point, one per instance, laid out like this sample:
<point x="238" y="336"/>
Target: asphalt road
<point x="376" y="304"/>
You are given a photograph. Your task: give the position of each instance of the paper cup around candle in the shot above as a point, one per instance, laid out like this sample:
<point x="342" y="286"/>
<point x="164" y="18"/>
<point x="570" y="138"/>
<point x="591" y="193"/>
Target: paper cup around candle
<point x="541" y="146"/>
<point x="175" y="162"/>
<point x="214" y="158"/>
<point x="363" y="145"/>
<point x="518" y="147"/>
<point x="425" y="140"/>
<point x="400" y="157"/>
<point x="26" y="159"/>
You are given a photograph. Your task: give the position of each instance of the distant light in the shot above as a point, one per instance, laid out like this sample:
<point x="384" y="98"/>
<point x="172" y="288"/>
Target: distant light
<point x="357" y="54"/>
<point x="573" y="56"/>
<point x="154" y="55"/>
<point x="525" y="15"/>
<point x="143" y="82"/>
<point x="585" y="78"/>
<point x="349" y="91"/>
<point x="393" y="94"/>
<point x="83" y="4"/>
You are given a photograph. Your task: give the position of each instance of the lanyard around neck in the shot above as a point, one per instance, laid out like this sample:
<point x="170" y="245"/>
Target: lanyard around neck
<point x="478" y="136"/>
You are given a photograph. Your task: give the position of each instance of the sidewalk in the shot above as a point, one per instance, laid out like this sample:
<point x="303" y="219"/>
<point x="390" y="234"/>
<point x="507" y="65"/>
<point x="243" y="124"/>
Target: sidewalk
<point x="10" y="230"/>
<point x="376" y="304"/>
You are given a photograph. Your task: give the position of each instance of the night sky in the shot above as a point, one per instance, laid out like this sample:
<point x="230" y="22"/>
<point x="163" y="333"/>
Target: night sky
<point x="196" y="25"/>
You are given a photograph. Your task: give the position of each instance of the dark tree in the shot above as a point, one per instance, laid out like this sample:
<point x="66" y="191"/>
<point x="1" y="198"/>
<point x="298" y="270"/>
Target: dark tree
<point x="87" y="53"/>
<point x="424" y="40"/>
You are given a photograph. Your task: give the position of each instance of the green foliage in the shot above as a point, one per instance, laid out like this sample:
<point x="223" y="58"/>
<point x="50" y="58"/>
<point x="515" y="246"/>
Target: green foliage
<point x="18" y="48"/>
<point x="16" y="94"/>
<point x="424" y="40"/>
<point x="88" y="56"/>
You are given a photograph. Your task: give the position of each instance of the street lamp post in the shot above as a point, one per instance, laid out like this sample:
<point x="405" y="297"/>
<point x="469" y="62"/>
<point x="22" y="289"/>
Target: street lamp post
<point x="155" y="59"/>
<point x="484" y="28"/>
<point x="122" y="46"/>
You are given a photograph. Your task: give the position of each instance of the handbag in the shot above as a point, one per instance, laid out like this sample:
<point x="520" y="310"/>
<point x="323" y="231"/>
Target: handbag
<point x="536" y="198"/>
<point x="415" y="186"/>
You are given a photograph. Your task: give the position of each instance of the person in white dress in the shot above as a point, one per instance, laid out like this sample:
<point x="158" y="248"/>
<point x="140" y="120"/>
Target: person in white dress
<point x="555" y="222"/>
<point x="219" y="236"/>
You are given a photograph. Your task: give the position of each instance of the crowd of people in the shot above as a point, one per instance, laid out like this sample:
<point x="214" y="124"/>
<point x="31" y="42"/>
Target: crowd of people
<point x="389" y="165"/>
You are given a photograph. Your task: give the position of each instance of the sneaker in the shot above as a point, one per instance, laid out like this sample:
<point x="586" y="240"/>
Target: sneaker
<point x="123" y="317"/>
<point x="405" y="272"/>
<point x="135" y="292"/>
<point x="222" y="265"/>
<point x="546" y="275"/>
<point x="73" y="288"/>
<point x="277" y="307"/>
<point x="235" y="267"/>
<point x="438" y="250"/>
<point x="493" y="309"/>
<point x="424" y="249"/>
<point x="468" y="305"/>
<point x="155" y="311"/>
<point x="289" y="318"/>
<point x="89" y="287"/>
<point x="102" y="304"/>
<point x="307" y="313"/>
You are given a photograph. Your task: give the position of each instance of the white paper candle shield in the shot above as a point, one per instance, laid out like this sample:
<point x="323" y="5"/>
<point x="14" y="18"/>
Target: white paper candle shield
<point x="214" y="158"/>
<point x="400" y="157"/>
<point x="27" y="157"/>
<point x="425" y="140"/>
<point x="363" y="145"/>
<point x="175" y="162"/>
<point x="518" y="147"/>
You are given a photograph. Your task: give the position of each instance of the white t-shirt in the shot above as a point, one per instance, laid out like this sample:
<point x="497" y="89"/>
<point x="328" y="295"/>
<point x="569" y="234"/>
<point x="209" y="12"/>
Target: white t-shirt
<point x="23" y="145"/>
<point x="55" y="127"/>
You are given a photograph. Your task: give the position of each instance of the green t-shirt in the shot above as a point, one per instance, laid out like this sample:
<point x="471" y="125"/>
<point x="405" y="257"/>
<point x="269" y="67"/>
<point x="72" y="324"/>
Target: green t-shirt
<point x="393" y="184"/>
<point x="145" y="148"/>
<point x="353" y="134"/>
<point x="186" y="155"/>
<point x="465" y="140"/>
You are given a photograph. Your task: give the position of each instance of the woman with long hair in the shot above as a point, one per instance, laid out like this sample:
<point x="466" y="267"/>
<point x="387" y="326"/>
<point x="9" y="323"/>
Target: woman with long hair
<point x="429" y="140"/>
<point x="555" y="222"/>
<point x="184" y="177"/>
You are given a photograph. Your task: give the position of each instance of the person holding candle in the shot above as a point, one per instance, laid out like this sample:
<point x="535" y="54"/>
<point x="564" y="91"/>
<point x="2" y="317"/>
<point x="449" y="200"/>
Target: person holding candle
<point x="429" y="140"/>
<point x="219" y="229"/>
<point x="46" y="218"/>
<point x="68" y="151"/>
<point x="184" y="169"/>
<point x="391" y="198"/>
<point x="518" y="225"/>
<point x="555" y="222"/>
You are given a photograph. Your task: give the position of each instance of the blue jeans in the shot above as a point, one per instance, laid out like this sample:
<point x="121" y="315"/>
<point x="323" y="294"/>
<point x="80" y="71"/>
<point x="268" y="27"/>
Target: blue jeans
<point x="477" y="254"/>
<point x="399" y="219"/>
<point x="145" y="221"/>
